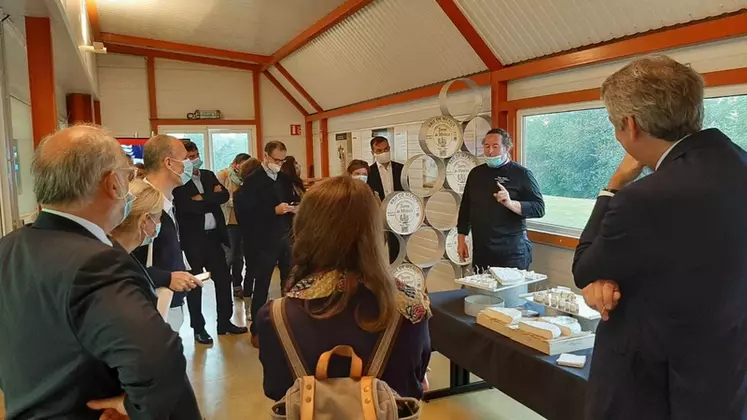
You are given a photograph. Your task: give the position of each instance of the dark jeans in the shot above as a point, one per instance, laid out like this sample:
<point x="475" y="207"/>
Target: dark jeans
<point x="211" y="257"/>
<point x="263" y="264"/>
<point x="235" y="258"/>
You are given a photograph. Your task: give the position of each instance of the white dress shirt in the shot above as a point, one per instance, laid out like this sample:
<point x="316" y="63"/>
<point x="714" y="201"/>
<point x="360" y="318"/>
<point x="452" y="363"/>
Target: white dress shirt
<point x="210" y="223"/>
<point x="385" y="172"/>
<point x="87" y="224"/>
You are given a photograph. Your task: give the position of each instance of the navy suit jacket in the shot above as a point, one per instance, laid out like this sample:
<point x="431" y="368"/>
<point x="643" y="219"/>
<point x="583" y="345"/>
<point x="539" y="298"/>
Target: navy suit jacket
<point x="167" y="257"/>
<point x="190" y="214"/>
<point x="676" y="243"/>
<point x="79" y="322"/>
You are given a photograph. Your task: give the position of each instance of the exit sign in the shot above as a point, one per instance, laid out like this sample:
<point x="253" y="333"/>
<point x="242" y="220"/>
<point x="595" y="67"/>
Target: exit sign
<point x="295" y="129"/>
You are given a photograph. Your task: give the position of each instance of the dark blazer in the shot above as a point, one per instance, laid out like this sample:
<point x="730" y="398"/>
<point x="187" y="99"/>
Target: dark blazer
<point x="374" y="178"/>
<point x="255" y="203"/>
<point x="190" y="214"/>
<point x="167" y="257"/>
<point x="79" y="322"/>
<point x="676" y="243"/>
<point x="405" y="367"/>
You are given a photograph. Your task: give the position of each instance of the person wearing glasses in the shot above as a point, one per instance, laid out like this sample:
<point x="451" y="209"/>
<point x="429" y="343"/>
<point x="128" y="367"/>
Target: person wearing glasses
<point x="81" y="335"/>
<point x="264" y="208"/>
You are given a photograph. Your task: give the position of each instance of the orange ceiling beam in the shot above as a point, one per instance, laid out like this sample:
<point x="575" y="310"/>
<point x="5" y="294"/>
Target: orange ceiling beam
<point x="133" y="41"/>
<point x="668" y="38"/>
<point x="298" y="87"/>
<point x="259" y="141"/>
<point x="336" y="16"/>
<point x="285" y="93"/>
<point x="145" y="52"/>
<point x="482" y="79"/>
<point x="93" y="18"/>
<point x="470" y="34"/>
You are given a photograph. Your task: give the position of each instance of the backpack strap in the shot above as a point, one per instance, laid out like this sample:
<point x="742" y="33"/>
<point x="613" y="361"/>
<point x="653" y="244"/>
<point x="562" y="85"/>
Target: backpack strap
<point x="279" y="322"/>
<point x="384" y="348"/>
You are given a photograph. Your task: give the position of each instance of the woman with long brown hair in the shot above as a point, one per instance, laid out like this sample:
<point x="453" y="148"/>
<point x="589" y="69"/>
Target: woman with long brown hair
<point x="341" y="292"/>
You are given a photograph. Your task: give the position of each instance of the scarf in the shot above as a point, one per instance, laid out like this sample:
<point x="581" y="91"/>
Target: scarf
<point x="233" y="175"/>
<point x="412" y="303"/>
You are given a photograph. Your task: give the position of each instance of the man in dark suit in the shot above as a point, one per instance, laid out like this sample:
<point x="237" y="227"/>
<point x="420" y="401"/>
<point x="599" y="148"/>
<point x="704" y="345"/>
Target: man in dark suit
<point x="203" y="233"/>
<point x="264" y="212"/>
<point x="663" y="257"/>
<point x="79" y="318"/>
<point x="384" y="176"/>
<point x="167" y="167"/>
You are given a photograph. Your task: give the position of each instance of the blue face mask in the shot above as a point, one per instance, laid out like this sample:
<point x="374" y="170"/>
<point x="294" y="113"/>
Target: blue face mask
<point x="186" y="175"/>
<point x="128" y="205"/>
<point x="197" y="163"/>
<point x="496" y="161"/>
<point x="363" y="178"/>
<point x="149" y="239"/>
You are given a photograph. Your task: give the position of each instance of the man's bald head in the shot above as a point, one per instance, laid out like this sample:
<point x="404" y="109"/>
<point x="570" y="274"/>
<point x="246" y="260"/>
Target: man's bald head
<point x="69" y="165"/>
<point x="160" y="147"/>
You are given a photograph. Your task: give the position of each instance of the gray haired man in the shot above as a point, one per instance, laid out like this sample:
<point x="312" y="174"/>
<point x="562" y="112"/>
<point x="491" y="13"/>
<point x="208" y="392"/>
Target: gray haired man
<point x="80" y="329"/>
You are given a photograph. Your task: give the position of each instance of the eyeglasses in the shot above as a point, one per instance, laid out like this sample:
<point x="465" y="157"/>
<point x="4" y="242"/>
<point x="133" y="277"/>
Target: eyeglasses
<point x="278" y="161"/>
<point x="130" y="173"/>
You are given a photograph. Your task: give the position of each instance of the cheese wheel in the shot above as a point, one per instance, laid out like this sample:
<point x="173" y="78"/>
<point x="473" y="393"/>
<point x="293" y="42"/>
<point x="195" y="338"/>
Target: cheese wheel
<point x="504" y="315"/>
<point x="542" y="329"/>
<point x="568" y="326"/>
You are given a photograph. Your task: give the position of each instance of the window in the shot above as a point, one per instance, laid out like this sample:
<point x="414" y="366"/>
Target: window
<point x="225" y="147"/>
<point x="198" y="139"/>
<point x="218" y="146"/>
<point x="573" y="153"/>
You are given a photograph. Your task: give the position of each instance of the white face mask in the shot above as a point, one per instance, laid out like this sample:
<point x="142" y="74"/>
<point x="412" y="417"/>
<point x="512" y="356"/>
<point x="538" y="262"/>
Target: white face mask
<point x="363" y="178"/>
<point x="186" y="174"/>
<point x="384" y="158"/>
<point x="273" y="167"/>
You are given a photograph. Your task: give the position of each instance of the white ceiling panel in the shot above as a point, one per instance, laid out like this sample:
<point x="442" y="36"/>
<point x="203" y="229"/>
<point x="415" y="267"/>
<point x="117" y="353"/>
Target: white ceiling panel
<point x="518" y="30"/>
<point x="387" y="47"/>
<point x="292" y="90"/>
<point x="252" y="26"/>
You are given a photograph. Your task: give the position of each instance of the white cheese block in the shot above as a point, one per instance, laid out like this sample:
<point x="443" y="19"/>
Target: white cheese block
<point x="504" y="315"/>
<point x="572" y="360"/>
<point x="568" y="326"/>
<point x="507" y="275"/>
<point x="542" y="329"/>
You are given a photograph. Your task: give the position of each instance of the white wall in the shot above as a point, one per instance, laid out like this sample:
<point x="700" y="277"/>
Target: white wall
<point x="182" y="88"/>
<point x="277" y="116"/>
<point x="123" y="93"/>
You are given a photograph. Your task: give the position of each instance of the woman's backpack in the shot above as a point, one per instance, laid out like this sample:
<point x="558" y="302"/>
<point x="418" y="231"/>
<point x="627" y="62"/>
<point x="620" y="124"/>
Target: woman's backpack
<point x="356" y="397"/>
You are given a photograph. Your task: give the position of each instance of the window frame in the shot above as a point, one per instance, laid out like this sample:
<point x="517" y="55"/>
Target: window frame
<point x="562" y="235"/>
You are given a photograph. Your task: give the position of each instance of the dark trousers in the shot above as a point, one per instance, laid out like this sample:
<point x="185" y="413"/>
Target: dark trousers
<point x="263" y="264"/>
<point x="514" y="254"/>
<point x="235" y="258"/>
<point x="210" y="256"/>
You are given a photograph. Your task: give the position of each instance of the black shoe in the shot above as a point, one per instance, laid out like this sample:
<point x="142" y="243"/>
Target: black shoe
<point x="203" y="337"/>
<point x="232" y="330"/>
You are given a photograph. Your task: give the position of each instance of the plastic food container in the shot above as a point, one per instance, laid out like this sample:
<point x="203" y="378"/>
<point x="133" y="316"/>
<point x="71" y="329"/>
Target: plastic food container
<point x="475" y="303"/>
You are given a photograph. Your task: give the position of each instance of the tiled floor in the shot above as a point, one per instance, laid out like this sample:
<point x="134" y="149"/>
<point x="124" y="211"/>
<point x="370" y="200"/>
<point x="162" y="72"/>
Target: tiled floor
<point x="227" y="379"/>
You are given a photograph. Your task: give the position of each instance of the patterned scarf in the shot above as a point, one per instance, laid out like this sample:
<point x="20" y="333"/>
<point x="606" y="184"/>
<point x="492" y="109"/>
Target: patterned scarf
<point x="412" y="303"/>
<point x="233" y="174"/>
